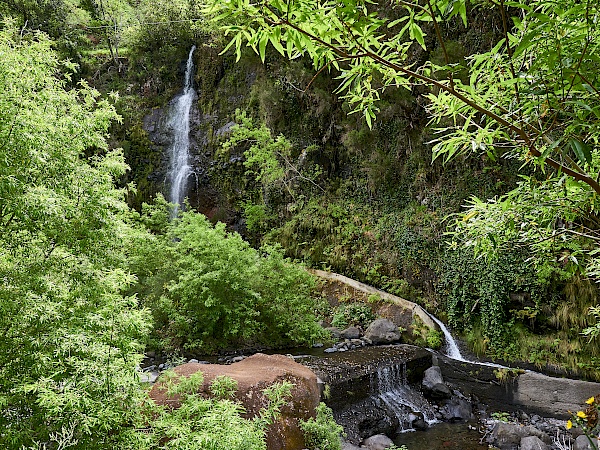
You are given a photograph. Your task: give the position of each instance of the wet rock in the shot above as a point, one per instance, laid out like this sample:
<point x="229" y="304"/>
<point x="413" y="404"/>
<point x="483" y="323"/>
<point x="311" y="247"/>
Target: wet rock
<point x="378" y="442"/>
<point x="382" y="331"/>
<point x="350" y="333"/>
<point x="532" y="443"/>
<point x="417" y="421"/>
<point x="329" y="350"/>
<point x="457" y="409"/>
<point x="433" y="384"/>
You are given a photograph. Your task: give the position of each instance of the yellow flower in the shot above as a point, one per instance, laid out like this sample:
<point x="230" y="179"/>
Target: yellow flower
<point x="569" y="424"/>
<point x="581" y="414"/>
<point x="590" y="400"/>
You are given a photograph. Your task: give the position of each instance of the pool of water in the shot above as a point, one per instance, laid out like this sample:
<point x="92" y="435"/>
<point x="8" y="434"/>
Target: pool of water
<point x="443" y="436"/>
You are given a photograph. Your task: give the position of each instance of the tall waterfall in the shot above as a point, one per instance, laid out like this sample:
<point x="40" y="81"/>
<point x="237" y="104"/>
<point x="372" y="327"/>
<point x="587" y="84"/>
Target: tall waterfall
<point x="179" y="123"/>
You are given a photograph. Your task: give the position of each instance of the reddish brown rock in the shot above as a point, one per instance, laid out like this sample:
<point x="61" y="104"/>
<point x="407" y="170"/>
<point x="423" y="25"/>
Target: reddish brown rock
<point x="253" y="375"/>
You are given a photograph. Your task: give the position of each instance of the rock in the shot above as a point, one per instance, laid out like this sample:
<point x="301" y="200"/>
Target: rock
<point x="417" y="421"/>
<point x="433" y="384"/>
<point x="378" y="442"/>
<point x="330" y="350"/>
<point x="582" y="443"/>
<point x="237" y="359"/>
<point x="335" y="332"/>
<point x="151" y="354"/>
<point x="349" y="446"/>
<point x="350" y="333"/>
<point x="382" y="331"/>
<point x="507" y="436"/>
<point x="318" y="345"/>
<point x="193" y="360"/>
<point x="532" y="443"/>
<point x="457" y="409"/>
<point x="253" y="375"/>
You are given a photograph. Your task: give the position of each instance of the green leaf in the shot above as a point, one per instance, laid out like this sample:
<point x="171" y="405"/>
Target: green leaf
<point x="581" y="150"/>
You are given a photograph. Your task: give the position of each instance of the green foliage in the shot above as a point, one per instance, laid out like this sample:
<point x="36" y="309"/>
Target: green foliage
<point x="201" y="423"/>
<point x="322" y="433"/>
<point x="478" y="290"/>
<point x="209" y="289"/>
<point x="501" y="416"/>
<point x="533" y="96"/>
<point x="70" y="338"/>
<point x="352" y="314"/>
<point x="223" y="387"/>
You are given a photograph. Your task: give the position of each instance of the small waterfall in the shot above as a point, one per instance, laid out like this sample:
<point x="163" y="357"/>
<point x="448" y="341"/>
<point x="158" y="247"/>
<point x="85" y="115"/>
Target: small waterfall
<point x="390" y="384"/>
<point x="179" y="123"/>
<point x="452" y="350"/>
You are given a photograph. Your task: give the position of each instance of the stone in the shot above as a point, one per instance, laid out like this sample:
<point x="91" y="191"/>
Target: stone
<point x="507" y="436"/>
<point x="532" y="443"/>
<point x="457" y="409"/>
<point x="335" y="332"/>
<point x="193" y="360"/>
<point x="433" y="384"/>
<point x="254" y="374"/>
<point x="378" y="442"/>
<point x="582" y="443"/>
<point x="349" y="446"/>
<point x="382" y="331"/>
<point x="329" y="350"/>
<point x="350" y="333"/>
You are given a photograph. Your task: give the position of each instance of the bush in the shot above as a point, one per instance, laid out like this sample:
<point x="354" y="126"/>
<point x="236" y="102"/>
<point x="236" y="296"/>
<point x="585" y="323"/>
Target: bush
<point x="209" y="289"/>
<point x="352" y="314"/>
<point x="322" y="433"/>
<point x="201" y="423"/>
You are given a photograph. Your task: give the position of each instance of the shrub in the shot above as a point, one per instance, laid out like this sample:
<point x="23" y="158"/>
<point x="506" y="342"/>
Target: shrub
<point x="322" y="433"/>
<point x="208" y="288"/>
<point x="346" y="315"/>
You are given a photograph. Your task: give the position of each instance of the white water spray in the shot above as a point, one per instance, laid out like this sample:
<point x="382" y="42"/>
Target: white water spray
<point x="179" y="122"/>
<point x="390" y="384"/>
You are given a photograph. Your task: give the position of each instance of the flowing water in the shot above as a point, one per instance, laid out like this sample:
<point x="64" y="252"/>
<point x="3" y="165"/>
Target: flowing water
<point x="390" y="384"/>
<point x="452" y="350"/>
<point x="179" y="122"/>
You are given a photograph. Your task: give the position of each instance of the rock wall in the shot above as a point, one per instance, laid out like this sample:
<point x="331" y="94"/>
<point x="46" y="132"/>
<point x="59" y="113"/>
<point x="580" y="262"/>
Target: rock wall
<point x="414" y="309"/>
<point x="529" y="391"/>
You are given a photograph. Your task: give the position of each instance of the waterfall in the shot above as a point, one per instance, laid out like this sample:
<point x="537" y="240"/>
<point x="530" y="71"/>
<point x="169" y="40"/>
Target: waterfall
<point x="179" y="123"/>
<point x="452" y="350"/>
<point x="390" y="385"/>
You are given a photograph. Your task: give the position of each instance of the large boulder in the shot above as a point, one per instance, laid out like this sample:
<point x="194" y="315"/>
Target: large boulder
<point x="254" y="374"/>
<point x="433" y="384"/>
<point x="457" y="409"/>
<point x="382" y="331"/>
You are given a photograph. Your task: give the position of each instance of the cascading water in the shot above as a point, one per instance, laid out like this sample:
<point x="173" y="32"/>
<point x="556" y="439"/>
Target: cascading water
<point x="179" y="123"/>
<point x="390" y="384"/>
<point x="452" y="350"/>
